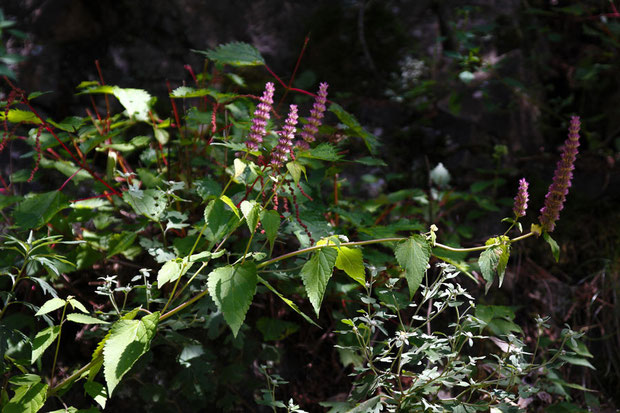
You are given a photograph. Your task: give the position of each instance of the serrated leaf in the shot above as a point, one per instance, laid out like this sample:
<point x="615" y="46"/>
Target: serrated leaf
<point x="25" y="379"/>
<point x="231" y="205"/>
<point x="19" y="116"/>
<point x="76" y="304"/>
<point x="135" y="101"/>
<point x="251" y="211"/>
<point x="555" y="248"/>
<point x="235" y="54"/>
<point x="97" y="392"/>
<point x="128" y="341"/>
<point x="287" y="301"/>
<point x="488" y="262"/>
<point x="151" y="202"/>
<point x="38" y="210"/>
<point x="173" y="270"/>
<point x="271" y="224"/>
<point x="413" y="256"/>
<point x="120" y="243"/>
<point x="42" y="341"/>
<point x="27" y="399"/>
<point x="232" y="288"/>
<point x="324" y="152"/>
<point x="51" y="305"/>
<point x="84" y="319"/>
<point x="354" y="128"/>
<point x="219" y="220"/>
<point x="295" y="169"/>
<point x="351" y="261"/>
<point x="316" y="273"/>
<point x="503" y="262"/>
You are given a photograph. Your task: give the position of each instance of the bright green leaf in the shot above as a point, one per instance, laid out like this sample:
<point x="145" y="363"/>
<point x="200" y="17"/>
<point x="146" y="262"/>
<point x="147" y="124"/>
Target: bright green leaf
<point x="135" y="101"/>
<point x="250" y="210"/>
<point x="173" y="270"/>
<point x="84" y="319"/>
<point x="315" y="274"/>
<point x="20" y="116"/>
<point x="27" y="399"/>
<point x="295" y="169"/>
<point x="503" y="262"/>
<point x="232" y="289"/>
<point x="50" y="305"/>
<point x="555" y="248"/>
<point x="42" y="341"/>
<point x="413" y="256"/>
<point x="25" y="379"/>
<point x="76" y="304"/>
<point x="350" y="260"/>
<point x="97" y="392"/>
<point x="38" y="210"/>
<point x="128" y="341"/>
<point x="239" y="167"/>
<point x="271" y="223"/>
<point x="219" y="220"/>
<point x="235" y="54"/>
<point x="231" y="205"/>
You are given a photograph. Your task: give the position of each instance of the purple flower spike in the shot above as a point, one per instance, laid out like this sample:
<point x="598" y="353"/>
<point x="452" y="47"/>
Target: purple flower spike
<point x="521" y="199"/>
<point x="261" y="116"/>
<point x="285" y="143"/>
<point x="556" y="195"/>
<point x="316" y="114"/>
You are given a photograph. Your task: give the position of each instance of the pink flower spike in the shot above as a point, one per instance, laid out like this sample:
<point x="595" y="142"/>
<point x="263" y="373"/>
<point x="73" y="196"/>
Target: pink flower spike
<point x="521" y="199"/>
<point x="285" y="143"/>
<point x="261" y="116"/>
<point x="556" y="195"/>
<point x="316" y="115"/>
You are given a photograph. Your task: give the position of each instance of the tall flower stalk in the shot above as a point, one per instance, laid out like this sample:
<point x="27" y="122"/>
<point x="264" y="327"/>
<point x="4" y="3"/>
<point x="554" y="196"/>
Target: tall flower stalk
<point x="556" y="195"/>
<point x="285" y="143"/>
<point x="316" y="115"/>
<point x="521" y="199"/>
<point x="258" y="130"/>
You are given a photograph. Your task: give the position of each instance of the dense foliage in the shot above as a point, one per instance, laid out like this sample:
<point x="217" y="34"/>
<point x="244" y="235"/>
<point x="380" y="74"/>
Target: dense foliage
<point x="167" y="263"/>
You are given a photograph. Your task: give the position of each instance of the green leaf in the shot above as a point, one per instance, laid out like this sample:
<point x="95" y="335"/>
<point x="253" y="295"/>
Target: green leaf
<point x="232" y="289"/>
<point x="295" y="169"/>
<point x="251" y="211"/>
<point x="173" y="270"/>
<point x="120" y="243"/>
<point x="97" y="392"/>
<point x="555" y="248"/>
<point x="315" y="274"/>
<point x="239" y="166"/>
<point x="84" y="319"/>
<point x="354" y="128"/>
<point x="231" y="205"/>
<point x="324" y="152"/>
<point x="151" y="202"/>
<point x="488" y="261"/>
<point x="235" y="54"/>
<point x="128" y="341"/>
<point x="20" y="116"/>
<point x="38" y="210"/>
<point x="271" y="224"/>
<point x="42" y="341"/>
<point x="274" y="329"/>
<point x="76" y="304"/>
<point x="351" y="261"/>
<point x="219" y="220"/>
<point x="503" y="262"/>
<point x="27" y="399"/>
<point x="287" y="301"/>
<point x="577" y="361"/>
<point x="135" y="101"/>
<point x="413" y="256"/>
<point x="50" y="305"/>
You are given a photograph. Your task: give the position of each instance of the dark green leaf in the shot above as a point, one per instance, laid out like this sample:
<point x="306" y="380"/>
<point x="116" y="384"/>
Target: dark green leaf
<point x="271" y="223"/>
<point x="413" y="256"/>
<point x="354" y="128"/>
<point x="219" y="219"/>
<point x="38" y="210"/>
<point x="232" y="289"/>
<point x="315" y="274"/>
<point x="235" y="54"/>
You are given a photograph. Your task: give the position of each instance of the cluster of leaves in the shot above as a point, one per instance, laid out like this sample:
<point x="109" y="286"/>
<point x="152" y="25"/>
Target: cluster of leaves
<point x="223" y="229"/>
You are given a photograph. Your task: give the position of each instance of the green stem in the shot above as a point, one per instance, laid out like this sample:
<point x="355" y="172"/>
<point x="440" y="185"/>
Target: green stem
<point x="62" y="319"/>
